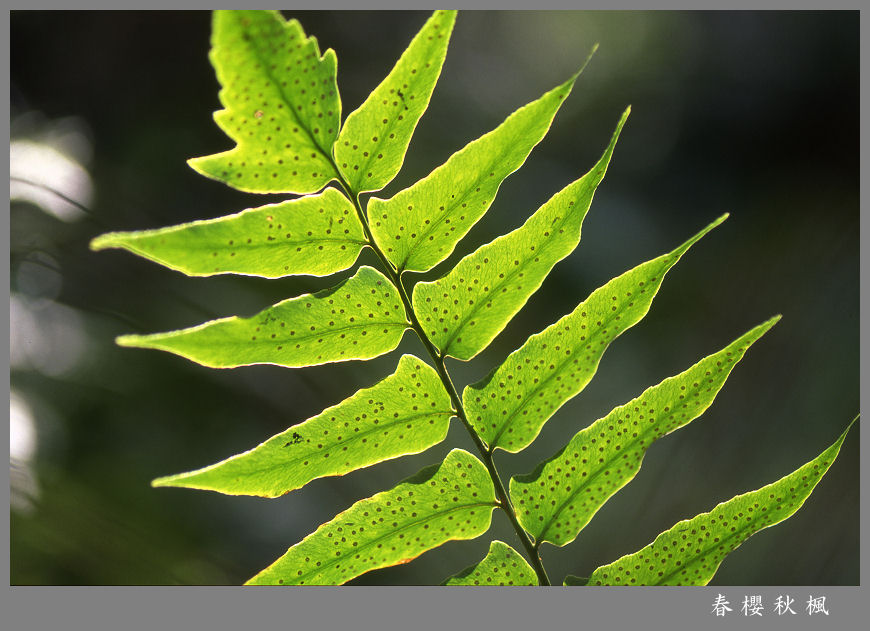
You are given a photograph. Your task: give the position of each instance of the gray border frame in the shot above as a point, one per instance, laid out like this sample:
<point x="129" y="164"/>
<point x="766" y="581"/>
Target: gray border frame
<point x="97" y="608"/>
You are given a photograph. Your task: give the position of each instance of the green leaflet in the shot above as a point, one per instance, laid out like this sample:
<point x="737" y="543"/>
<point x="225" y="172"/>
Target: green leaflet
<point x="420" y="226"/>
<point x="316" y="235"/>
<point x="281" y="105"/>
<point x="502" y="566"/>
<point x="509" y="407"/>
<point x="406" y="413"/>
<point x="453" y="500"/>
<point x="463" y="311"/>
<point x="691" y="551"/>
<point x="282" y="109"/>
<point x="360" y="318"/>
<point x="372" y="143"/>
<point x="556" y="501"/>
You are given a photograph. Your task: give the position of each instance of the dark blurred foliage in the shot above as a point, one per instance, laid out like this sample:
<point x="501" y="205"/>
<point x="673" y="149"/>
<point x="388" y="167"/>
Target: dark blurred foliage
<point x="755" y="113"/>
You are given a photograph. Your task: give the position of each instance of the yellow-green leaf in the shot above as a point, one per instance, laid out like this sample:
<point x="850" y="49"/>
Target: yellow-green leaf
<point x="372" y="143"/>
<point x="556" y="501"/>
<point x="316" y="235"/>
<point x="453" y="500"/>
<point x="693" y="549"/>
<point x="509" y="407"/>
<point x="502" y="566"/>
<point x="420" y="226"/>
<point x="281" y="105"/>
<point x="360" y="318"/>
<point x="406" y="413"/>
<point x="463" y="311"/>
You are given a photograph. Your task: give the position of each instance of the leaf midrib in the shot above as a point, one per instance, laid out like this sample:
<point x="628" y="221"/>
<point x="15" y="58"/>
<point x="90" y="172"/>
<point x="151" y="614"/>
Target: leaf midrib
<point x="450" y="208"/>
<point x="527" y="262"/>
<point x="545" y="380"/>
<point x="393" y="124"/>
<point x="734" y="535"/>
<point x="523" y="131"/>
<point x="607" y="320"/>
<point x="647" y="430"/>
<point x="729" y="536"/>
<point x="248" y="247"/>
<point x="586" y="483"/>
<point x="267" y="71"/>
<point x="631" y="442"/>
<point x="356" y="437"/>
<point x="330" y="331"/>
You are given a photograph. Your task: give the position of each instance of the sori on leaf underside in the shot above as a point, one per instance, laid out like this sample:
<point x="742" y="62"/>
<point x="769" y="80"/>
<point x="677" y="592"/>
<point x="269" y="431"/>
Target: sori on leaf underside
<point x="280" y="106"/>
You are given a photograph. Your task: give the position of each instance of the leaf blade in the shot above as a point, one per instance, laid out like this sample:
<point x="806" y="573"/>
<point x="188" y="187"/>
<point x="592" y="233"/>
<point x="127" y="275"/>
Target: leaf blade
<point x="697" y="567"/>
<point x="502" y="566"/>
<point x="291" y="333"/>
<point x="503" y="274"/>
<point x="599" y="460"/>
<point x="280" y="96"/>
<point x="460" y="191"/>
<point x="607" y="313"/>
<point x="417" y="515"/>
<point x="373" y="141"/>
<point x="313" y="235"/>
<point x="382" y="422"/>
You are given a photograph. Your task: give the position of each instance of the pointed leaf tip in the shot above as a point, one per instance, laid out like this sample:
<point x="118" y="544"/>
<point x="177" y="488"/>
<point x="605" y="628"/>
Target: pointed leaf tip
<point x="405" y="413"/>
<point x="556" y="501"/>
<point x="315" y="235"/>
<point x="712" y="536"/>
<point x="498" y="278"/>
<point x="359" y="318"/>
<point x="588" y="59"/>
<point x="420" y="226"/>
<point x="372" y="143"/>
<point x="564" y="357"/>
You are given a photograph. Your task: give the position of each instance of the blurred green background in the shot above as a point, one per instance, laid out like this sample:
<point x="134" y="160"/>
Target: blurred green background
<point x="754" y="113"/>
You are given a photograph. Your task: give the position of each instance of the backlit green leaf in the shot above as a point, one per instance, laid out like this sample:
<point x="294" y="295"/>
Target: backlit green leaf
<point x="419" y="227"/>
<point x="281" y="105"/>
<point x="372" y="143"/>
<point x="556" y="501"/>
<point x="406" y="413"/>
<point x="360" y="318"/>
<point x="691" y="551"/>
<point x="316" y="235"/>
<point x="509" y="407"/>
<point x="463" y="311"/>
<point x="502" y="566"/>
<point x="453" y="500"/>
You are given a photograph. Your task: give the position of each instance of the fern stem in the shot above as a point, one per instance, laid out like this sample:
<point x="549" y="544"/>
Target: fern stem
<point x="504" y="501"/>
<point x="486" y="455"/>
